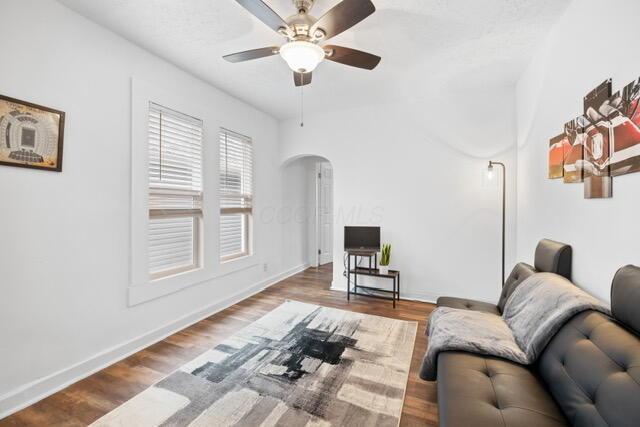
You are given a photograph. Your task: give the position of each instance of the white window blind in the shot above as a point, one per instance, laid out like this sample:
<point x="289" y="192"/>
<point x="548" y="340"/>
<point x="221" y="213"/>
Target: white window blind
<point x="175" y="191"/>
<point x="236" y="194"/>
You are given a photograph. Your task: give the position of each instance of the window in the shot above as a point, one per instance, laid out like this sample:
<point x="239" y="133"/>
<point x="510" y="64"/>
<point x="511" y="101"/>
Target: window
<point x="175" y="191"/>
<point x="236" y="194"/>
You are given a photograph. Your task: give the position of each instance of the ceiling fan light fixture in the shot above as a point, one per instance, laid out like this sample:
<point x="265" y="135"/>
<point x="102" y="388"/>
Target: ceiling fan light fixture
<point x="302" y="56"/>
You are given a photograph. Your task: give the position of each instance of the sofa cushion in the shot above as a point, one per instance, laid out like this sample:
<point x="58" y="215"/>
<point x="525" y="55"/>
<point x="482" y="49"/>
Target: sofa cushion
<point x="520" y="272"/>
<point x="467" y="304"/>
<point x="592" y="369"/>
<point x="475" y="390"/>
<point x="625" y="297"/>
<point x="553" y="257"/>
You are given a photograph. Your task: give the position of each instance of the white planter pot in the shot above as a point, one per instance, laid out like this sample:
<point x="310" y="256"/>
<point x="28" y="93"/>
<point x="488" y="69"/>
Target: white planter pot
<point x="383" y="269"/>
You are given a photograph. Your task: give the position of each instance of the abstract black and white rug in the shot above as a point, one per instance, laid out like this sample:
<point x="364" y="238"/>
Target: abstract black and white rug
<point x="299" y="365"/>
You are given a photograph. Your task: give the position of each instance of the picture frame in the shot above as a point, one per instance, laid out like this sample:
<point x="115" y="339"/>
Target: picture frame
<point x="31" y="135"/>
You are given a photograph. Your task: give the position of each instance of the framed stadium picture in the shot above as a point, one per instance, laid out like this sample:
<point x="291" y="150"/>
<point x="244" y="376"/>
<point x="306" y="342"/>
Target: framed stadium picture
<point x="31" y="136"/>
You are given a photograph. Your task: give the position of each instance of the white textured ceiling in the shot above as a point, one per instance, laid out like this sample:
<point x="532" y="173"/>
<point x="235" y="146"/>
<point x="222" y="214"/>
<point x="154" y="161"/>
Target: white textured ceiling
<point x="427" y="46"/>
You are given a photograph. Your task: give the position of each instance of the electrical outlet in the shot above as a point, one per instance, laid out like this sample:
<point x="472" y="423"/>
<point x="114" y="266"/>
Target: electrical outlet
<point x="265" y="267"/>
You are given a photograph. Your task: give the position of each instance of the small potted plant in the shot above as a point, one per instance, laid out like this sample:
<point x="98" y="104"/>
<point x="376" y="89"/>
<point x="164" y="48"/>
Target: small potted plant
<point x="385" y="258"/>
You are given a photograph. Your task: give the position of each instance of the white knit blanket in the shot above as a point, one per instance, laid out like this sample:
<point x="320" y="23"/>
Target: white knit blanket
<point x="533" y="314"/>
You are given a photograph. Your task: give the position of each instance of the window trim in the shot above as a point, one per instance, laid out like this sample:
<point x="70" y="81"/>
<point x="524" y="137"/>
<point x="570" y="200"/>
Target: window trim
<point x="143" y="288"/>
<point x="140" y="288"/>
<point x="247" y="213"/>
<point x="156" y="187"/>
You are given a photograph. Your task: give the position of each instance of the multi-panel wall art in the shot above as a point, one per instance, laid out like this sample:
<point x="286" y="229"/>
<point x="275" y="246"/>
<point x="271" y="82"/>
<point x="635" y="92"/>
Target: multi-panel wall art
<point x="601" y="143"/>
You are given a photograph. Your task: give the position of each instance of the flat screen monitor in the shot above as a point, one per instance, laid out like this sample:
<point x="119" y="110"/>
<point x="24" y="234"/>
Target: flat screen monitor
<point x="366" y="238"/>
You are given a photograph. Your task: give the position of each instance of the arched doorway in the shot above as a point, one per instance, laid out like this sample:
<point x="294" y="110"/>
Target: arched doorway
<point x="316" y="172"/>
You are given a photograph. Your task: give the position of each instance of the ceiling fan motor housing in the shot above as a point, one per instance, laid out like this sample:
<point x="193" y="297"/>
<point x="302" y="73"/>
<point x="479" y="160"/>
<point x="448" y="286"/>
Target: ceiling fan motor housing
<point x="301" y="23"/>
<point x="303" y="5"/>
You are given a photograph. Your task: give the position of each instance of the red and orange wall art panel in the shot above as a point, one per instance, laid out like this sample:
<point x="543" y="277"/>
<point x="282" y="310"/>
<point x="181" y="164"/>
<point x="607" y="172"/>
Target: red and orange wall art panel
<point x="602" y="143"/>
<point x="573" y="152"/>
<point x="625" y="131"/>
<point x="596" y="126"/>
<point x="556" y="157"/>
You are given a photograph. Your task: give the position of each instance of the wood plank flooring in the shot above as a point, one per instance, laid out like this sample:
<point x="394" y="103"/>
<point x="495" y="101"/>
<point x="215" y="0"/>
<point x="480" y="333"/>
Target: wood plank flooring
<point x="87" y="400"/>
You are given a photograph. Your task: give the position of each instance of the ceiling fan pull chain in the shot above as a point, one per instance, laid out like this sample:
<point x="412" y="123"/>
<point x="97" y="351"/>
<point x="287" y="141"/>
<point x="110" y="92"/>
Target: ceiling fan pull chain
<point x="301" y="101"/>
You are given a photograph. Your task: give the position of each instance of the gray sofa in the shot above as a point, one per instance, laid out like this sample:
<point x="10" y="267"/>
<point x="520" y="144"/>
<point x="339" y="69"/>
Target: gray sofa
<point x="588" y="375"/>
<point x="550" y="257"/>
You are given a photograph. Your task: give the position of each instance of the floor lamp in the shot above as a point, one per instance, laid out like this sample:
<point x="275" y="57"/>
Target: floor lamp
<point x="504" y="197"/>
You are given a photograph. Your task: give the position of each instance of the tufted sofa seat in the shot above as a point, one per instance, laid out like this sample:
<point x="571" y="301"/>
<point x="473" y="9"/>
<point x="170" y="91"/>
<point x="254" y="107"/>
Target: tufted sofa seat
<point x="487" y="391"/>
<point x="588" y="375"/>
<point x="550" y="257"/>
<point x="592" y="368"/>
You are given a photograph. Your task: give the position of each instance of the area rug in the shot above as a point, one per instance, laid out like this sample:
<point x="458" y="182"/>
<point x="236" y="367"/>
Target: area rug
<point x="299" y="365"/>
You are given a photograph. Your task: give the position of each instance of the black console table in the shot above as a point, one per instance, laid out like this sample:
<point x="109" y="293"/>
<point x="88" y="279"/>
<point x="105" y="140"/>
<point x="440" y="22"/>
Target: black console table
<point x="372" y="271"/>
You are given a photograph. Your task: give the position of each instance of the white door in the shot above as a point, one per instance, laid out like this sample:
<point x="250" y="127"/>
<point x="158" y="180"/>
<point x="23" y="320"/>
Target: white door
<point x="325" y="213"/>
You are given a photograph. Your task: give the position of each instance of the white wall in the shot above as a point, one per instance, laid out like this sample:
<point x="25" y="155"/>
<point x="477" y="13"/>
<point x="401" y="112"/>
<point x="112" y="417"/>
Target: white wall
<point x="574" y="59"/>
<point x="415" y="168"/>
<point x="65" y="252"/>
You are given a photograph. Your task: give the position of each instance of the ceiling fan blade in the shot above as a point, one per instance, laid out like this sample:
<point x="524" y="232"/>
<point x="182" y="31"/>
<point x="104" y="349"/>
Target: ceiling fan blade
<point x="343" y="16"/>
<point x="263" y="12"/>
<point x="302" y="79"/>
<point x="352" y="57"/>
<point x="248" y="55"/>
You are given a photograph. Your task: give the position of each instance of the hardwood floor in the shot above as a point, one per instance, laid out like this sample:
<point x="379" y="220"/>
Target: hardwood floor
<point x="87" y="400"/>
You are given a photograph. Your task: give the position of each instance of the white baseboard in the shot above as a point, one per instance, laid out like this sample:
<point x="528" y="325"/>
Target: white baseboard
<point x="342" y="287"/>
<point x="421" y="296"/>
<point x="34" y="391"/>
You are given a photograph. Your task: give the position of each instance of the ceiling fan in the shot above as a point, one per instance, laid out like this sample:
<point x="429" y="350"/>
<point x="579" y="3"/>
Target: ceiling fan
<point x="304" y="33"/>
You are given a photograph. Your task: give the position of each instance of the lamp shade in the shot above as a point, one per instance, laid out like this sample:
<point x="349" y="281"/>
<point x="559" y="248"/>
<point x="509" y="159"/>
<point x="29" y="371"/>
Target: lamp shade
<point x="301" y="56"/>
